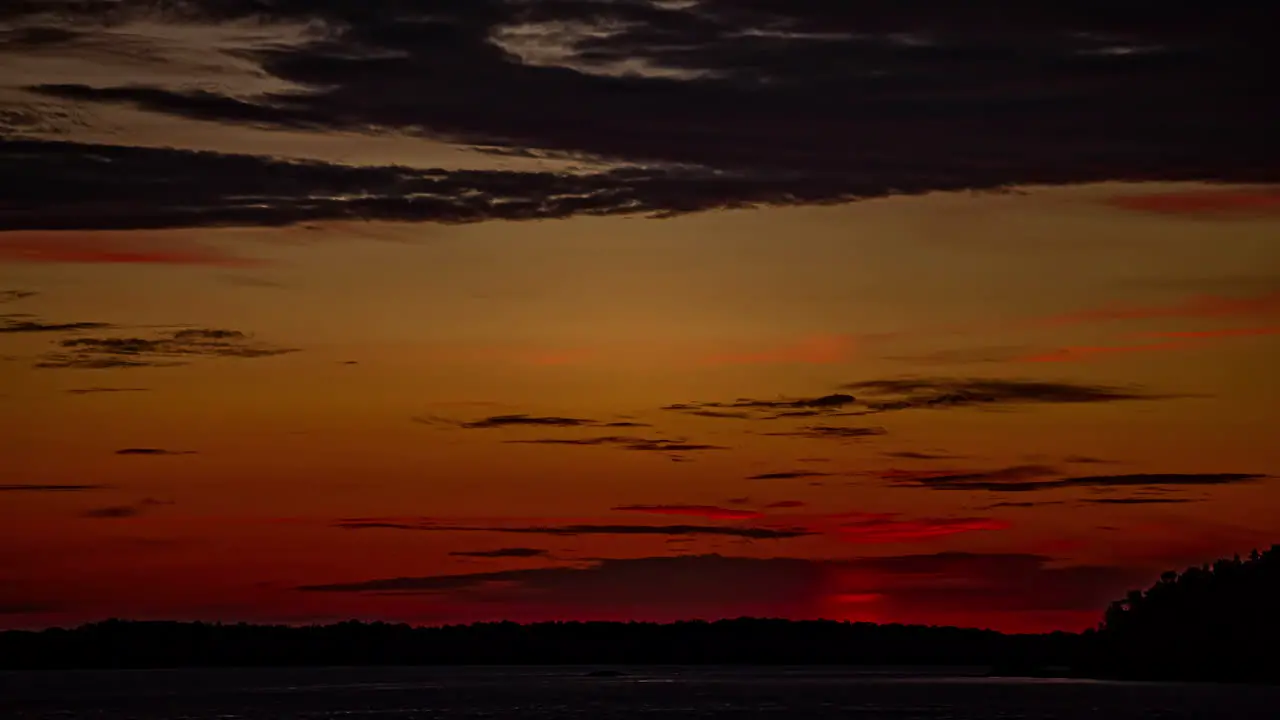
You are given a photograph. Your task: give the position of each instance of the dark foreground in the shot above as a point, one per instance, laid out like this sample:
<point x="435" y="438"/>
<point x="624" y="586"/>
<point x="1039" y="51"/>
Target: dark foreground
<point x="573" y="692"/>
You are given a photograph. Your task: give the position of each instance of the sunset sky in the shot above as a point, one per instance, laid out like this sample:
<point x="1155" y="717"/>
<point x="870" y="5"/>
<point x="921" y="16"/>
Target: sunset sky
<point x="474" y="310"/>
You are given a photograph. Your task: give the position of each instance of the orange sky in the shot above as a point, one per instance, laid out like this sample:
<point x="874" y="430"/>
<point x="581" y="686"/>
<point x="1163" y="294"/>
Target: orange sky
<point x="566" y="419"/>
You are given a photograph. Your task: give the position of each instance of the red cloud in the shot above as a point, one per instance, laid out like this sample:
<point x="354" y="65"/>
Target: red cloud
<point x="1203" y="306"/>
<point x="114" y="247"/>
<point x="1173" y="340"/>
<point x="886" y="528"/>
<point x="1212" y="334"/>
<point x="783" y="504"/>
<point x="1204" y="202"/>
<point x="709" y="512"/>
<point x="814" y="350"/>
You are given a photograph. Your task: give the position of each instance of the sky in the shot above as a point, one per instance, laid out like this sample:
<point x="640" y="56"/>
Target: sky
<point x="474" y="310"/>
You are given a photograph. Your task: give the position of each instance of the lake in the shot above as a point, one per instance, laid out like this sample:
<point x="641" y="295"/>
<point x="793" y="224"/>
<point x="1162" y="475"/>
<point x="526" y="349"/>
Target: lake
<point x="565" y="692"/>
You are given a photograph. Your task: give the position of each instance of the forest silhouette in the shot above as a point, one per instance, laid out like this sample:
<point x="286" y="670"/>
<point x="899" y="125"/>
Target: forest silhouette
<point x="1216" y="622"/>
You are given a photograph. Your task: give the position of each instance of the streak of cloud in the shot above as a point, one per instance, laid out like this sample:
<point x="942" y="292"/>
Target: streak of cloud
<point x="1033" y="478"/>
<point x="34" y="488"/>
<point x="574" y="530"/>
<point x="788" y="475"/>
<point x="511" y="552"/>
<point x="170" y="348"/>
<point x="14" y="324"/>
<point x="709" y="512"/>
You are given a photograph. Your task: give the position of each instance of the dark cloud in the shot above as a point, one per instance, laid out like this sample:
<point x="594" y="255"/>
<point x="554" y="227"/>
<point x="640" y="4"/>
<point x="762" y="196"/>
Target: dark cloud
<point x="831" y="432"/>
<point x="753" y="533"/>
<point x="98" y="390"/>
<point x="500" y="421"/>
<point x="1032" y="478"/>
<point x="914" y="455"/>
<point x="711" y="512"/>
<point x="907" y="393"/>
<point x="32" y="488"/>
<point x="1022" y="504"/>
<point x="788" y="475"/>
<point x="169" y="348"/>
<point x="14" y="324"/>
<point x="625" y="442"/>
<point x="809" y="102"/>
<point x="1136" y="501"/>
<point x="937" y="392"/>
<point x="752" y="409"/>
<point x="8" y="296"/>
<point x="673" y="446"/>
<point x="112" y="189"/>
<point x="153" y="451"/>
<point x="512" y="552"/>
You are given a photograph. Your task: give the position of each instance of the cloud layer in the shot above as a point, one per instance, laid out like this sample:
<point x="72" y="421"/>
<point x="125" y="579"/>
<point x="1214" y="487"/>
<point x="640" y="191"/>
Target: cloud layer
<point x="707" y="104"/>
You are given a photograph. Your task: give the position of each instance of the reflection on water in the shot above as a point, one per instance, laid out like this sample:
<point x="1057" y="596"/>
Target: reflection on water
<point x="620" y="694"/>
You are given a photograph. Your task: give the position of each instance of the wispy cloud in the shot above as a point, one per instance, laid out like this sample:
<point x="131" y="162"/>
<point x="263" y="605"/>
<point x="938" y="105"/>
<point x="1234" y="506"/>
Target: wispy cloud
<point x="873" y="397"/>
<point x="14" y="324"/>
<point x="153" y="451"/>
<point x="510" y="552"/>
<point x="942" y="392"/>
<point x="9" y="296"/>
<point x="831" y="432"/>
<point x="1136" y="501"/>
<point x="1022" y="504"/>
<point x="710" y="512"/>
<point x="1032" y="478"/>
<point x="119" y="512"/>
<point x="104" y="390"/>
<point x="890" y="528"/>
<point x="788" y="475"/>
<point x="920" y="455"/>
<point x="34" y="488"/>
<point x="574" y="530"/>
<point x="170" y="348"/>
<point x="519" y="420"/>
<point x="626" y="442"/>
<point x="754" y="409"/>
